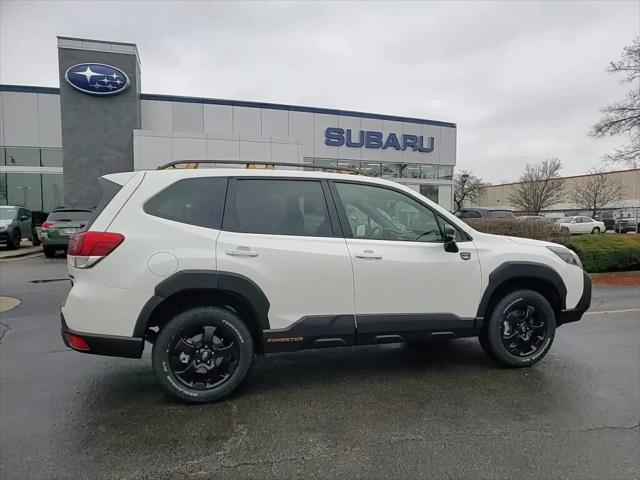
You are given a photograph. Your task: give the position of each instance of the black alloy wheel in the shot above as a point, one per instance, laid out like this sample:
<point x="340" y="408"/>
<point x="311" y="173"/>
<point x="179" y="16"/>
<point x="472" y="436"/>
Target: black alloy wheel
<point x="523" y="330"/>
<point x="520" y="329"/>
<point x="202" y="354"/>
<point x="204" y="357"/>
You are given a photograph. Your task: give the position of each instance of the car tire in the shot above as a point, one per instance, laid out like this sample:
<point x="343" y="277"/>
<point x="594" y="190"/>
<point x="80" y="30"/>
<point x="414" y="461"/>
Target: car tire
<point x="596" y="230"/>
<point x="521" y="329"/>
<point x="187" y="358"/>
<point x="13" y="240"/>
<point x="35" y="241"/>
<point x="49" y="252"/>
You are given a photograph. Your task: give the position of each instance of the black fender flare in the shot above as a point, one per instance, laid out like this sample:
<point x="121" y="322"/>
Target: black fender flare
<point x="226" y="282"/>
<point x="513" y="271"/>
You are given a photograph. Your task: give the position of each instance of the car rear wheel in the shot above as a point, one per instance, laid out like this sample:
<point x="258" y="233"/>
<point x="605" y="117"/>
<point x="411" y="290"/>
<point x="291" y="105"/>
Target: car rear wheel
<point x="521" y="329"/>
<point x="596" y="230"/>
<point x="203" y="354"/>
<point x="49" y="252"/>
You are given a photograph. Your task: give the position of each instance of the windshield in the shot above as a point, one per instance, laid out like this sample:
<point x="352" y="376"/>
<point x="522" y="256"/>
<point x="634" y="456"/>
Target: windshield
<point x="8" y="213"/>
<point x="69" y="215"/>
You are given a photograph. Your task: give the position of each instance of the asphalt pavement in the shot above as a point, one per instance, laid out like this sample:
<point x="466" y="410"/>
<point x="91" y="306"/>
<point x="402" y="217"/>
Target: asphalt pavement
<point x="440" y="411"/>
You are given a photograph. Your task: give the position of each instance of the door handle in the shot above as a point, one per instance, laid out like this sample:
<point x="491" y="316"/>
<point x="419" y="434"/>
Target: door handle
<point x="241" y="252"/>
<point x="369" y="254"/>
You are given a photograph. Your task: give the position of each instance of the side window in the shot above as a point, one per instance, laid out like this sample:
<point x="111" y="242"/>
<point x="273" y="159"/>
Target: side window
<point x="196" y="201"/>
<point x="577" y="220"/>
<point x="384" y="214"/>
<point x="279" y="207"/>
<point x="586" y="219"/>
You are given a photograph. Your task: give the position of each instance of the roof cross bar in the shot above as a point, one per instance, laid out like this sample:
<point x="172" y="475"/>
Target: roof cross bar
<point x="193" y="164"/>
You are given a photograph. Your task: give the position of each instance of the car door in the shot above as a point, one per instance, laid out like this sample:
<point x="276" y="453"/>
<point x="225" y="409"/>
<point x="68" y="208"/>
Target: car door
<point x="280" y="234"/>
<point x="405" y="281"/>
<point x="24" y="217"/>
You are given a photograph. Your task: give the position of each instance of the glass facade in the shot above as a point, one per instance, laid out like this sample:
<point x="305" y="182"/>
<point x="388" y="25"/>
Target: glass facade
<point x="40" y="190"/>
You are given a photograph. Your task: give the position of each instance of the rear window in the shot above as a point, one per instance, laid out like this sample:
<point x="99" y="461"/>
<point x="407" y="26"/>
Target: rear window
<point x="469" y="214"/>
<point x="72" y="215"/>
<point x="195" y="201"/>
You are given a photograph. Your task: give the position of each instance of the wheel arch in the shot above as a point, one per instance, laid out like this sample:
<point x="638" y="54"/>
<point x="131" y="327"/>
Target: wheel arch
<point x="197" y="288"/>
<point x="512" y="276"/>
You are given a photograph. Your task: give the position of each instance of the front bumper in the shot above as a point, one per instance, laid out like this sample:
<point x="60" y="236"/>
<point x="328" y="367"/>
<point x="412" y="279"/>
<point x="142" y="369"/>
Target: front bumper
<point x="575" y="314"/>
<point x="110" y="345"/>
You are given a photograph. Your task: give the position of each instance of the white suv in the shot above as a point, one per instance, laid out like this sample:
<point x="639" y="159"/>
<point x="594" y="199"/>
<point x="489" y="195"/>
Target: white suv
<point x="213" y="266"/>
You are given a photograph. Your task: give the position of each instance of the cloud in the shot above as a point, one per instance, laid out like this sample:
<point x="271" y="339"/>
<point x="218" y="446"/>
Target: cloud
<point x="523" y="80"/>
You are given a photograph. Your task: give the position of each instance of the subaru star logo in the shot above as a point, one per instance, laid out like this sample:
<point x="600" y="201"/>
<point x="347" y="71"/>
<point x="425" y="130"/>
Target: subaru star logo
<point x="97" y="78"/>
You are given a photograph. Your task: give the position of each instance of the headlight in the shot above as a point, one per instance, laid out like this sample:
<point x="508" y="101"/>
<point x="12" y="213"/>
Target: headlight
<point x="567" y="255"/>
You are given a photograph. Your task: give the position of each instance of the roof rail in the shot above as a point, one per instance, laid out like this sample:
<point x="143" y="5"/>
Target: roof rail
<point x="193" y="164"/>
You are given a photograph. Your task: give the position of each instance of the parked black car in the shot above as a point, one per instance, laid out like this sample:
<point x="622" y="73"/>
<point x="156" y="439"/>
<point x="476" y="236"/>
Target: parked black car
<point x="484" y="213"/>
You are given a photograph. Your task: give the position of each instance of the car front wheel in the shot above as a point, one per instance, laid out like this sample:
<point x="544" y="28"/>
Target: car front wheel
<point x="521" y="329"/>
<point x="596" y="230"/>
<point x="203" y="354"/>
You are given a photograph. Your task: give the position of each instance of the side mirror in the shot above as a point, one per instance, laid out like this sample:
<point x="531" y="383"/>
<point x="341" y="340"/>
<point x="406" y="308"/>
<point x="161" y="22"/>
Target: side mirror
<point x="450" y="244"/>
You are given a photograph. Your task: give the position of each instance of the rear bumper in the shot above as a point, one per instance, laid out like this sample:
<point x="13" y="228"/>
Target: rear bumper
<point x="110" y="345"/>
<point x="55" y="242"/>
<point x="575" y="314"/>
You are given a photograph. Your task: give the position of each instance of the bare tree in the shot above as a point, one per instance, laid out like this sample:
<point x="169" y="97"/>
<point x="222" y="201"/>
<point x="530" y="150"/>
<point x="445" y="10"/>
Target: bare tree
<point x="467" y="187"/>
<point x="597" y="191"/>
<point x="540" y="187"/>
<point x="623" y="118"/>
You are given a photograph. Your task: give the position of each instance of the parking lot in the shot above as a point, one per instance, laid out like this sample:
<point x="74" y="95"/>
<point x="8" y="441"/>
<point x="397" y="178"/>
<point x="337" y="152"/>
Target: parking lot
<point x="442" y="411"/>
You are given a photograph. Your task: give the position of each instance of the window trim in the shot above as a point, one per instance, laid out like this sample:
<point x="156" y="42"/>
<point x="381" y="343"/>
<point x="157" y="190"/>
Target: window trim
<point x="230" y="221"/>
<point x="346" y="227"/>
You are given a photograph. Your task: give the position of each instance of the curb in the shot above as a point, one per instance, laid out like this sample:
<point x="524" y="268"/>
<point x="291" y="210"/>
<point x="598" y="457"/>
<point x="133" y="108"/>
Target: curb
<point x="20" y="254"/>
<point x="631" y="273"/>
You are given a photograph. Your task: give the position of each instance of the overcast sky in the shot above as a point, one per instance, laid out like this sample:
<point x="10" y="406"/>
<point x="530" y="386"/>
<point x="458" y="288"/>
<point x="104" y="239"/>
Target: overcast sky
<point x="523" y="81"/>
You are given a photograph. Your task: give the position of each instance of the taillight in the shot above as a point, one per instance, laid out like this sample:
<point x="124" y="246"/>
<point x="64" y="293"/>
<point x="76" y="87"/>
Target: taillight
<point x="47" y="225"/>
<point x="88" y="248"/>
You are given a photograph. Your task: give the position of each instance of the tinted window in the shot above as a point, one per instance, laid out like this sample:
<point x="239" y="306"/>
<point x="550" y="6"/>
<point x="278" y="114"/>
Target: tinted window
<point x="70" y="215"/>
<point x="586" y="219"/>
<point x="577" y="220"/>
<point x="196" y="201"/>
<point x="279" y="207"/>
<point x="470" y="214"/>
<point x="500" y="214"/>
<point x="378" y="213"/>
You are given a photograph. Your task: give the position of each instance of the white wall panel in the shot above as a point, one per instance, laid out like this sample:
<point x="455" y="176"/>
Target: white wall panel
<point x="20" y="111"/>
<point x="246" y="123"/>
<point x="218" y="120"/>
<point x="255" y="151"/>
<point x="284" y="152"/>
<point x="354" y="124"/>
<point x="322" y="122"/>
<point x="50" y="130"/>
<point x="301" y="130"/>
<point x="188" y="117"/>
<point x="218" y="149"/>
<point x="156" y="115"/>
<point x="448" y="146"/>
<point x="154" y="151"/>
<point x="189" y="148"/>
<point x="275" y="124"/>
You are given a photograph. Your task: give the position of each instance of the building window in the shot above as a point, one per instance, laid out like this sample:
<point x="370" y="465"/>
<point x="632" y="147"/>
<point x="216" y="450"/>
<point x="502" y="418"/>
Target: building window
<point x="24" y="190"/>
<point x="52" y="192"/>
<point x="22" y="157"/>
<point x="429" y="191"/>
<point x="445" y="172"/>
<point x="51" y="157"/>
<point x="3" y="189"/>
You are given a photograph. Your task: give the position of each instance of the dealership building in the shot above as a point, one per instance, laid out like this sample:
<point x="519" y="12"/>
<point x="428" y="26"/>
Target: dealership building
<point x="56" y="142"/>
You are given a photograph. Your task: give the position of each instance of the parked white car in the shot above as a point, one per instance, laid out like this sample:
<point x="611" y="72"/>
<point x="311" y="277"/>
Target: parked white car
<point x="579" y="224"/>
<point x="212" y="266"/>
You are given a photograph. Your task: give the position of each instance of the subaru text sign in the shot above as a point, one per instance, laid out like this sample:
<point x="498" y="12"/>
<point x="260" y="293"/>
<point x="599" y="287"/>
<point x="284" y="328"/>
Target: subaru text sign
<point x="97" y="78"/>
<point x="338" y="137"/>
